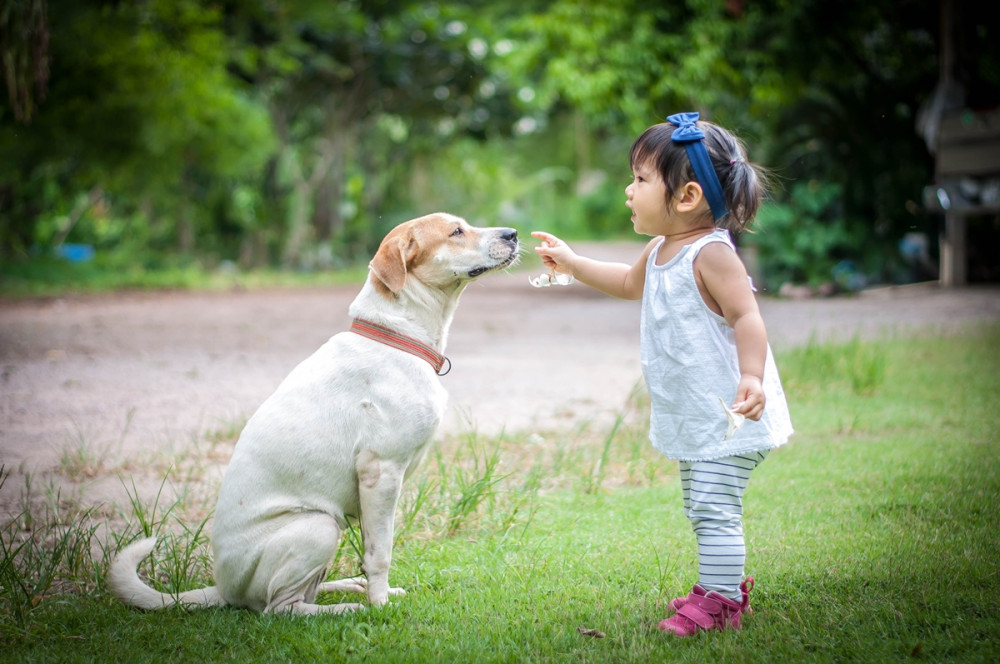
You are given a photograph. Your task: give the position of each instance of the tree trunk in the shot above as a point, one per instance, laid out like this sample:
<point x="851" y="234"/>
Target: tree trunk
<point x="304" y="188"/>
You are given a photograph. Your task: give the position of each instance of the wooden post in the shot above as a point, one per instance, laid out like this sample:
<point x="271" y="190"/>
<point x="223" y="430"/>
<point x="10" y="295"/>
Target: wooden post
<point x="953" y="269"/>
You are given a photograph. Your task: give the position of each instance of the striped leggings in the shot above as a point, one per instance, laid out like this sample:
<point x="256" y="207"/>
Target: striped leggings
<point x="713" y="502"/>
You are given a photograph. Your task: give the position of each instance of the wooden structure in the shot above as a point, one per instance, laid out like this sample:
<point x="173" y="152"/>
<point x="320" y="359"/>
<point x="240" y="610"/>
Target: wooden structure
<point x="967" y="173"/>
<point x="965" y="143"/>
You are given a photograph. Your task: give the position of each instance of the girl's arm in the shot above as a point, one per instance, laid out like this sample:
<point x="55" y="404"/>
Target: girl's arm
<point x="616" y="279"/>
<point x="722" y="279"/>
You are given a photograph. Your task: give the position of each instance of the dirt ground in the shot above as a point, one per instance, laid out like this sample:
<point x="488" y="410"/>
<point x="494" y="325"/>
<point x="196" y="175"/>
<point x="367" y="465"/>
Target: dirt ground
<point x="122" y="374"/>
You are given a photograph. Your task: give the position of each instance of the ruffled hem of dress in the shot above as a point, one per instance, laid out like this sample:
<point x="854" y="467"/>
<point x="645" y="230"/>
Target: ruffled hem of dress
<point x="722" y="455"/>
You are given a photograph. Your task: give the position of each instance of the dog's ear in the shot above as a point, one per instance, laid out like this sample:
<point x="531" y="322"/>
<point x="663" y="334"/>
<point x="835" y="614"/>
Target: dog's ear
<point x="389" y="265"/>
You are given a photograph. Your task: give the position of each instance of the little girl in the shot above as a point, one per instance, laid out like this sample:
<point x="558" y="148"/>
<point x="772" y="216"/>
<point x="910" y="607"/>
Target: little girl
<point x="705" y="356"/>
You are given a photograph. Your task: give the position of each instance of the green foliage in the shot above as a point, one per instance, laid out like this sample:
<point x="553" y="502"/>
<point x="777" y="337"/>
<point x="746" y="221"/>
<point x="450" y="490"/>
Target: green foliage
<point x="836" y="90"/>
<point x="296" y="133"/>
<point x="625" y="65"/>
<point x="142" y="113"/>
<point x="802" y="239"/>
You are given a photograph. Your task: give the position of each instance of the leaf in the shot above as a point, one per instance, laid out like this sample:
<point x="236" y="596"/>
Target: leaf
<point x="588" y="631"/>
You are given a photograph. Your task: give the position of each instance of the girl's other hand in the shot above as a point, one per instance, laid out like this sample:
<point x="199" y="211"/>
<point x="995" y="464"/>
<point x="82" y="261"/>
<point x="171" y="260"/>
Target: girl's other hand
<point x="749" y="398"/>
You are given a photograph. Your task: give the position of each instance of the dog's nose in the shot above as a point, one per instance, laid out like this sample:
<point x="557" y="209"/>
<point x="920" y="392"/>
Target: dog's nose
<point x="508" y="234"/>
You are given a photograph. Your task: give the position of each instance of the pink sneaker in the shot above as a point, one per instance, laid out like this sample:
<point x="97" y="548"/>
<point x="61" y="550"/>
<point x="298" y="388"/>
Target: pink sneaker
<point x="701" y="611"/>
<point x="676" y="603"/>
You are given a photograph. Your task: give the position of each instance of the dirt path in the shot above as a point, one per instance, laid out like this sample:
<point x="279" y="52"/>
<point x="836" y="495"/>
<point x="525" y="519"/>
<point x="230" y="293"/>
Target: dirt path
<point x="123" y="374"/>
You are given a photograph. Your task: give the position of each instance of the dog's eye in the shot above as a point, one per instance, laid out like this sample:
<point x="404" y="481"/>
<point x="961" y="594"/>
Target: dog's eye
<point x="458" y="232"/>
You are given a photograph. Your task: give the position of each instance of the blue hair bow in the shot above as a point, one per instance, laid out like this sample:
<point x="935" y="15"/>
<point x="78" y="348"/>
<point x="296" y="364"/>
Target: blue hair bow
<point x="686" y="130"/>
<point x="692" y="137"/>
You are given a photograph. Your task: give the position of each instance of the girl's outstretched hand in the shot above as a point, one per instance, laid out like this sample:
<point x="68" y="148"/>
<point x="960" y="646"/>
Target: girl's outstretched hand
<point x="555" y="254"/>
<point x="609" y="277"/>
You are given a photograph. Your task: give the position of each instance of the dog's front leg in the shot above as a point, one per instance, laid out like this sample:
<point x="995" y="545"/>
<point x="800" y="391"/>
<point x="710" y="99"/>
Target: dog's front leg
<point x="379" y="484"/>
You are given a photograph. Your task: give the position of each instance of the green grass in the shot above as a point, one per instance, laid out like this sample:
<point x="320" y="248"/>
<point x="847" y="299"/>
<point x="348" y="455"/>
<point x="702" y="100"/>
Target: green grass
<point x="872" y="538"/>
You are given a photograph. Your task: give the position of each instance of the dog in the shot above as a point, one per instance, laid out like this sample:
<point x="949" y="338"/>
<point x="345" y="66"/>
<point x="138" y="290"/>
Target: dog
<point x="339" y="436"/>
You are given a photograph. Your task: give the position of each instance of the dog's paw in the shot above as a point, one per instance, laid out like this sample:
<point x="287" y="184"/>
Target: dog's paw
<point x="309" y="609"/>
<point x="381" y="599"/>
<point x="357" y="584"/>
<point x="337" y="609"/>
<point x="349" y="607"/>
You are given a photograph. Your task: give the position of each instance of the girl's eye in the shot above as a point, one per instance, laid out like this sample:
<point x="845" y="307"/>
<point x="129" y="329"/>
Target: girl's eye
<point x="458" y="232"/>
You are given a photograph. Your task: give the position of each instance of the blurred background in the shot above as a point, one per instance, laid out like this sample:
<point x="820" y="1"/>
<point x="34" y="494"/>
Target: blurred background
<point x="179" y="138"/>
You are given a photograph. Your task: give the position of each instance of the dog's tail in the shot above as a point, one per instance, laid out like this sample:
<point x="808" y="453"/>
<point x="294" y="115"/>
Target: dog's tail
<point x="125" y="584"/>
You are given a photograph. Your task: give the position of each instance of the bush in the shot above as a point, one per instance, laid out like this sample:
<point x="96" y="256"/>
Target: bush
<point x="802" y="239"/>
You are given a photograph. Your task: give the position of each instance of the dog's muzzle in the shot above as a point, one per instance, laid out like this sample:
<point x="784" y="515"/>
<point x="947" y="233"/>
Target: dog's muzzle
<point x="504" y="249"/>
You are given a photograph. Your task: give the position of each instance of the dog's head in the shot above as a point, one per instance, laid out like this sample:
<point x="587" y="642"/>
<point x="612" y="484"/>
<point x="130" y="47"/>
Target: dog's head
<point x="442" y="251"/>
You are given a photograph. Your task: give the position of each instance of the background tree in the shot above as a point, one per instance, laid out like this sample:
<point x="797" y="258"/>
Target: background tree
<point x="838" y="87"/>
<point x="398" y="78"/>
<point x="298" y="132"/>
<point x="24" y="55"/>
<point x="140" y="110"/>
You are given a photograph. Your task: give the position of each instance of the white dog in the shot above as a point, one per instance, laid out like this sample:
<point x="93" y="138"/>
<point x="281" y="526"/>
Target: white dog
<point x="340" y="434"/>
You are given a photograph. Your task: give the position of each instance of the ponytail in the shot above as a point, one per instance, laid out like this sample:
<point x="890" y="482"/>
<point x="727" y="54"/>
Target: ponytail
<point x="744" y="183"/>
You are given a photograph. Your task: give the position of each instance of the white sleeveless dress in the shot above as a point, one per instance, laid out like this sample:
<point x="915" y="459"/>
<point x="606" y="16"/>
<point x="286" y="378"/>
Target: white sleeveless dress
<point x="689" y="362"/>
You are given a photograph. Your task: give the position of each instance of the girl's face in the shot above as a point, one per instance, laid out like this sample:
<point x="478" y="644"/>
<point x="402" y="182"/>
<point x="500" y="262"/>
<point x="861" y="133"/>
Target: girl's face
<point x="647" y="198"/>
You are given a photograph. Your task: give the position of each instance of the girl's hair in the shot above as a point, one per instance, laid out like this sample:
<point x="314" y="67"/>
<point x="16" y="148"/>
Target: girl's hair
<point x="744" y="184"/>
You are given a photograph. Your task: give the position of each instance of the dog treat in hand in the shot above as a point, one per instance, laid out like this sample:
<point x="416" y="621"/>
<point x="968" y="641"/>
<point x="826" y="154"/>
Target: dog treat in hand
<point x="553" y="277"/>
<point x="735" y="420"/>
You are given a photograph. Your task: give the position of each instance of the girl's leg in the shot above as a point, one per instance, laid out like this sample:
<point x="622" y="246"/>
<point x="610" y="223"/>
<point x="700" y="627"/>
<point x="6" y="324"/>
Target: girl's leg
<point x="713" y="501"/>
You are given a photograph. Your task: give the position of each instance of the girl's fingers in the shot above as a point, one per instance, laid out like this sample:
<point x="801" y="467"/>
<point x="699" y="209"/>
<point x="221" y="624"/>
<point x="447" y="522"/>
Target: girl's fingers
<point x="547" y="238"/>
